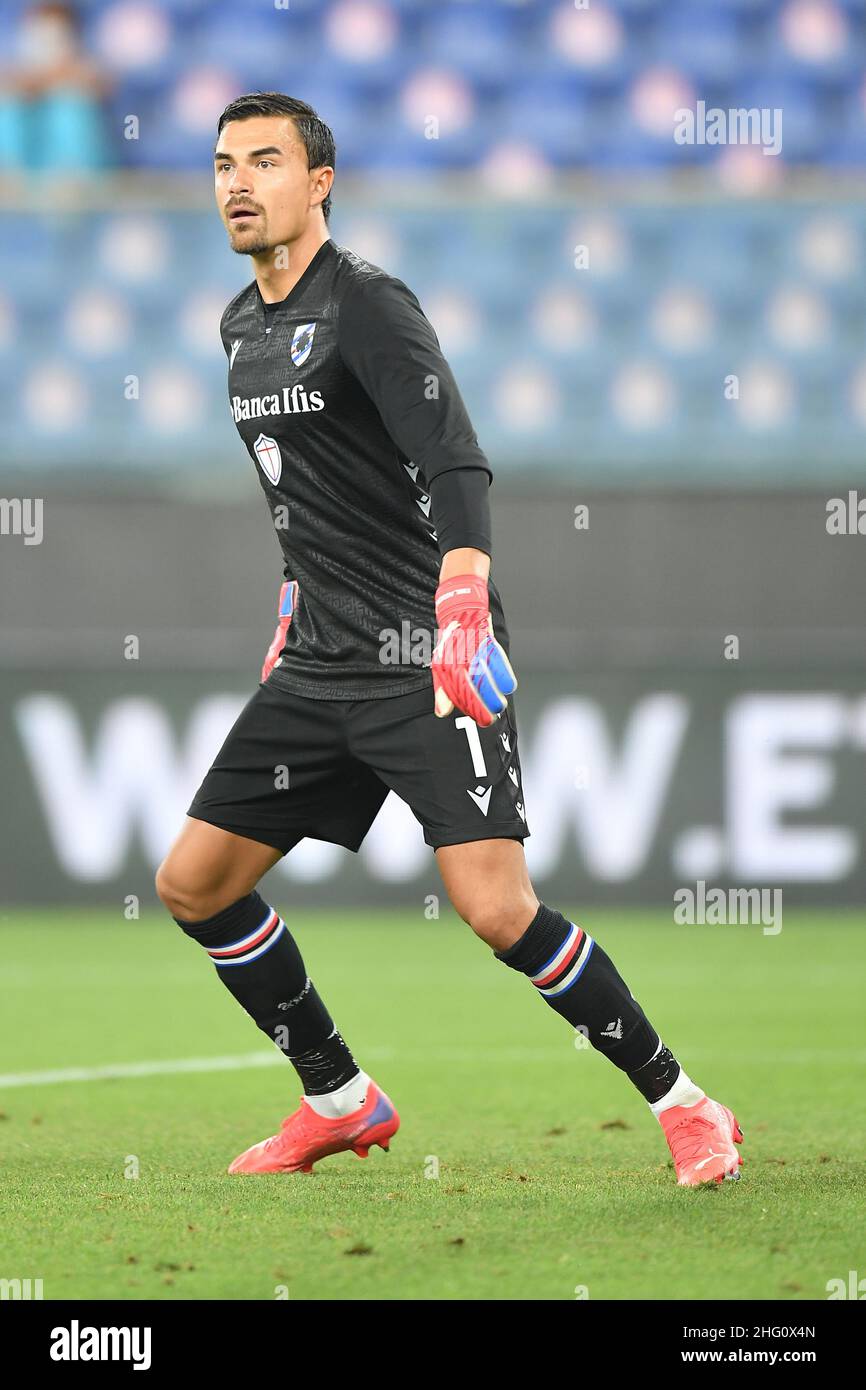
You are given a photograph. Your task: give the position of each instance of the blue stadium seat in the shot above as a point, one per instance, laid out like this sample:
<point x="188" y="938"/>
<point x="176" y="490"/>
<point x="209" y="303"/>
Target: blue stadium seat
<point x="702" y="42"/>
<point x="554" y="116"/>
<point x="482" y="42"/>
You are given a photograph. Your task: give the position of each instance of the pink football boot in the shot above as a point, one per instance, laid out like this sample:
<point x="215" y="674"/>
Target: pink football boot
<point x="701" y="1138"/>
<point x="305" y="1137"/>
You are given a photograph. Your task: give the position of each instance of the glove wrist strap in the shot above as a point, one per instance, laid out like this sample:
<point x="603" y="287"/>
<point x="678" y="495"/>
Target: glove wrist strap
<point x="461" y="591"/>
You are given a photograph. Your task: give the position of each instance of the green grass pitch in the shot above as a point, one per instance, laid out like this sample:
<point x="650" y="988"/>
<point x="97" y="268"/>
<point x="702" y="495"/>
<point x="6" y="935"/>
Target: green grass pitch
<point x="552" y="1175"/>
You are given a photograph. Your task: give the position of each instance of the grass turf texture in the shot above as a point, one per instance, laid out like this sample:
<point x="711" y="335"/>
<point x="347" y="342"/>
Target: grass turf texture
<point x="552" y="1173"/>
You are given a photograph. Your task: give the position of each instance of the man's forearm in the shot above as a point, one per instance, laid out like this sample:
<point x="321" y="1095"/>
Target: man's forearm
<point x="460" y="510"/>
<point x="464" y="560"/>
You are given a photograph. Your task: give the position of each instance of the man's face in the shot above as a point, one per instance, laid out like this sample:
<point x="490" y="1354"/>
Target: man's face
<point x="262" y="182"/>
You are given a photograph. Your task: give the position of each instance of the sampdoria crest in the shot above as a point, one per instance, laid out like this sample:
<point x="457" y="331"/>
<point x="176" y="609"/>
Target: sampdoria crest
<point x="302" y="343"/>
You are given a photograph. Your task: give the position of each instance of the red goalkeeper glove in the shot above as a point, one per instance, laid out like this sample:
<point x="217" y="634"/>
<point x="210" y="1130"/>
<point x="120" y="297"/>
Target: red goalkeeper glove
<point x="286" y="607"/>
<point x="470" y="669"/>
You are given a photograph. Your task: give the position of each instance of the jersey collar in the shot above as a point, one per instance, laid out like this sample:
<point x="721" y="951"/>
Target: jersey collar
<point x="324" y="252"/>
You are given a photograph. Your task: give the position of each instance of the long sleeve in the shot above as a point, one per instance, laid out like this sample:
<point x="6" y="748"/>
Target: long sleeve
<point x="461" y="509"/>
<point x="389" y="345"/>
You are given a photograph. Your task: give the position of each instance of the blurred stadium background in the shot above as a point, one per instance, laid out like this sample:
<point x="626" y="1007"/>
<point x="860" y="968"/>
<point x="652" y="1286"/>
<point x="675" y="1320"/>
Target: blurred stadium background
<point x="669" y="335"/>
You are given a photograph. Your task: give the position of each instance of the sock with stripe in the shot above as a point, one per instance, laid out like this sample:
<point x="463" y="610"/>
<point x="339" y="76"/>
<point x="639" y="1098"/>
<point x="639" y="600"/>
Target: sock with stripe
<point x="258" y="961"/>
<point x="579" y="980"/>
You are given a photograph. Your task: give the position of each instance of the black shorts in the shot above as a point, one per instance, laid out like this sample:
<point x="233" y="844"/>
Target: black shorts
<point x="293" y="767"/>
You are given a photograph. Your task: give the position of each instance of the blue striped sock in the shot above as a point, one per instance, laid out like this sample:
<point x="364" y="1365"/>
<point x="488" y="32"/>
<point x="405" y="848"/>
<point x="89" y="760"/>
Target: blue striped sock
<point x="258" y="961"/>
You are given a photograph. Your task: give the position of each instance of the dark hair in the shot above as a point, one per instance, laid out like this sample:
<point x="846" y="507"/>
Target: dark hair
<point x="316" y="136"/>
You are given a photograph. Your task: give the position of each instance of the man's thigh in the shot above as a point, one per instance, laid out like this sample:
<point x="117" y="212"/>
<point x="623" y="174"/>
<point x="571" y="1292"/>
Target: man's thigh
<point x="207" y="868"/>
<point x="462" y="782"/>
<point x="284" y="773"/>
<point x="488" y="884"/>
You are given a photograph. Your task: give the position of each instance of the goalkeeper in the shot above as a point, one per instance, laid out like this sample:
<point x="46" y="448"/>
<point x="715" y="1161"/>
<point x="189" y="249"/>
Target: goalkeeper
<point x="378" y="491"/>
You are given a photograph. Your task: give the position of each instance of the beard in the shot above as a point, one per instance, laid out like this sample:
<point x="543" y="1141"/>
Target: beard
<point x="252" y="248"/>
<point x="243" y="245"/>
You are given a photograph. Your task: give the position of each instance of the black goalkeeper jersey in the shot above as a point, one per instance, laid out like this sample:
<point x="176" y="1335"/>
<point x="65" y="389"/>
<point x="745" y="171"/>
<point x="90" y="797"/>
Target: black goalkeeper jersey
<point x="349" y="411"/>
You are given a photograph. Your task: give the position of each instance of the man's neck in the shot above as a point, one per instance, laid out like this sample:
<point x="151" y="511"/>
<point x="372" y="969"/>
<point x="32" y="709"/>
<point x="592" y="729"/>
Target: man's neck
<point x="275" y="281"/>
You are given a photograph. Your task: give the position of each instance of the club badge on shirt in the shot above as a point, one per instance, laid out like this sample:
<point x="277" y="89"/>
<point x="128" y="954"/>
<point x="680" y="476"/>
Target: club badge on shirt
<point x="267" y="451"/>
<point x="302" y="343"/>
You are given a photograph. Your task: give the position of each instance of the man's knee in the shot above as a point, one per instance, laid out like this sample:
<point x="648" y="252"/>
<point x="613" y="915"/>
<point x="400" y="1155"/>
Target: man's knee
<point x="187" y="895"/>
<point x="489" y="887"/>
<point x="499" y="923"/>
<point x="170" y="889"/>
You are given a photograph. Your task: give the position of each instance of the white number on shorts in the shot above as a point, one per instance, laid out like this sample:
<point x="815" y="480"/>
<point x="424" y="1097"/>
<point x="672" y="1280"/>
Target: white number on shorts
<point x="478" y="764"/>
